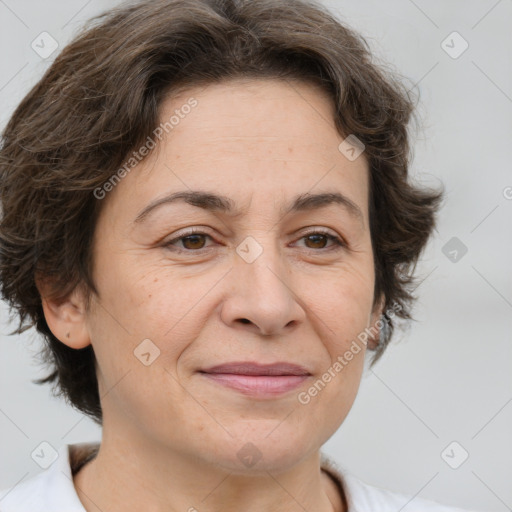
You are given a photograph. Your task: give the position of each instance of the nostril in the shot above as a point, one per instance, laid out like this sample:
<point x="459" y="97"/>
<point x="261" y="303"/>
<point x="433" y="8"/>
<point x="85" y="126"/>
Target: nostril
<point x="245" y="320"/>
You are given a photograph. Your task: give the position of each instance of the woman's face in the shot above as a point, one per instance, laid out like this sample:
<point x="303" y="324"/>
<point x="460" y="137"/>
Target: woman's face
<point x="254" y="286"/>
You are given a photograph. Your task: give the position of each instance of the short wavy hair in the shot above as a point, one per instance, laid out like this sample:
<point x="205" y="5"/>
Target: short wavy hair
<point x="100" y="100"/>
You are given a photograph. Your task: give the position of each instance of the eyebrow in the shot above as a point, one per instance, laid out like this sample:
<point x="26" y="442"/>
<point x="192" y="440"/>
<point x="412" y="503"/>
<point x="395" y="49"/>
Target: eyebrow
<point x="218" y="203"/>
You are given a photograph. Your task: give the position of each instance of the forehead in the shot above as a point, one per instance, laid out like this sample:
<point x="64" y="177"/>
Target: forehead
<point x="257" y="138"/>
<point x="250" y="108"/>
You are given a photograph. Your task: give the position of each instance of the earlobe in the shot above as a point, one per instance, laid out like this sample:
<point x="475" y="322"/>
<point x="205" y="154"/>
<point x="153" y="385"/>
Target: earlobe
<point x="67" y="321"/>
<point x="374" y="320"/>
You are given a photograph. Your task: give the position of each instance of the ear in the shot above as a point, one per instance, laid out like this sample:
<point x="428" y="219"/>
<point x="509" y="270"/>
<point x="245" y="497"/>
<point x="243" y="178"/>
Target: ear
<point x="66" y="317"/>
<point x="374" y="327"/>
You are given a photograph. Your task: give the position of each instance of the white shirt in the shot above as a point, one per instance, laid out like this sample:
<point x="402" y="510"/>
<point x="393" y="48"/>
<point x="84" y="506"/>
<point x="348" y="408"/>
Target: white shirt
<point x="53" y="490"/>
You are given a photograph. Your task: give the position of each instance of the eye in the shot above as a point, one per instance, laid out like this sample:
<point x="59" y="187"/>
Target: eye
<point x="191" y="241"/>
<point x="319" y="238"/>
<point x="195" y="240"/>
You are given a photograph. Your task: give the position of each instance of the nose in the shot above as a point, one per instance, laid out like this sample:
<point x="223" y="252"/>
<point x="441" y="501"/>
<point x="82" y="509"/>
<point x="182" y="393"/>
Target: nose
<point x="261" y="296"/>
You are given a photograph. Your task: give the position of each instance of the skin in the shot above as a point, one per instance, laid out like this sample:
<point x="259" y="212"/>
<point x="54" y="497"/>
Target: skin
<point x="171" y="436"/>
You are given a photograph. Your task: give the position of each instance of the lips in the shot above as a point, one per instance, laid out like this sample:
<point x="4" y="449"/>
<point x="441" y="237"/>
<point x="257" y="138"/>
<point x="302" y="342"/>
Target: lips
<point x="253" y="368"/>
<point x="258" y="381"/>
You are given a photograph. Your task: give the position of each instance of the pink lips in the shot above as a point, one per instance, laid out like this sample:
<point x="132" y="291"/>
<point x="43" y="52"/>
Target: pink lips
<point x="258" y="380"/>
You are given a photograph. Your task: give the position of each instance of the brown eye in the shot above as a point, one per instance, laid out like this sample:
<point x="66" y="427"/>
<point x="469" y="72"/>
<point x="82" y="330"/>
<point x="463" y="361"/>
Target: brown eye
<point x="318" y="241"/>
<point x="190" y="242"/>
<point x="193" y="241"/>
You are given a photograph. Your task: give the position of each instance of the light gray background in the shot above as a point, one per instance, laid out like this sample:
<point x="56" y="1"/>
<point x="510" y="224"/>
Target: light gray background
<point x="448" y="378"/>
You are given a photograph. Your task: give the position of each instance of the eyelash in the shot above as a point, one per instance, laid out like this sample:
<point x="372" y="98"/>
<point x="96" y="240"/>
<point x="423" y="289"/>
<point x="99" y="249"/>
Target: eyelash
<point x="337" y="241"/>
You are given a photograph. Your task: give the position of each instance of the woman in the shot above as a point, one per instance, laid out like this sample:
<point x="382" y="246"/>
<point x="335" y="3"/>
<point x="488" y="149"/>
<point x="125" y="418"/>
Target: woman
<point x="207" y="216"/>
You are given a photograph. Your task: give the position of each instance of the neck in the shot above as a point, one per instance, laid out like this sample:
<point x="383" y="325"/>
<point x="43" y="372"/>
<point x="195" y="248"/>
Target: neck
<point x="134" y="474"/>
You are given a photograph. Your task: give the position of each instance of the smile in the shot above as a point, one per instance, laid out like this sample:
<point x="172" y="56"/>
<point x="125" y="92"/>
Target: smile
<point x="258" y="385"/>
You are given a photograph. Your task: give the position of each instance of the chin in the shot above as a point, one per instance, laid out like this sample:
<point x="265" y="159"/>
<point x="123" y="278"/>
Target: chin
<point x="265" y="449"/>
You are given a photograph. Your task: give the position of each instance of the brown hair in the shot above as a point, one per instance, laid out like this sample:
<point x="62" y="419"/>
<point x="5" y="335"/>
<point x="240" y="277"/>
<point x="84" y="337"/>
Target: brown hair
<point x="100" y="99"/>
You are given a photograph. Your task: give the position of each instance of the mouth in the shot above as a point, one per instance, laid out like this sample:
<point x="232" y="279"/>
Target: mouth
<point x="258" y="380"/>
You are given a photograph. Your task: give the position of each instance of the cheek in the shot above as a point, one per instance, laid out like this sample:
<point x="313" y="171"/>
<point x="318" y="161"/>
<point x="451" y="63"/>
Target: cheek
<point x="149" y="299"/>
<point x="138" y="343"/>
<point x="332" y="394"/>
<point x="343" y="299"/>
<point x="134" y="307"/>
<point x="343" y="306"/>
